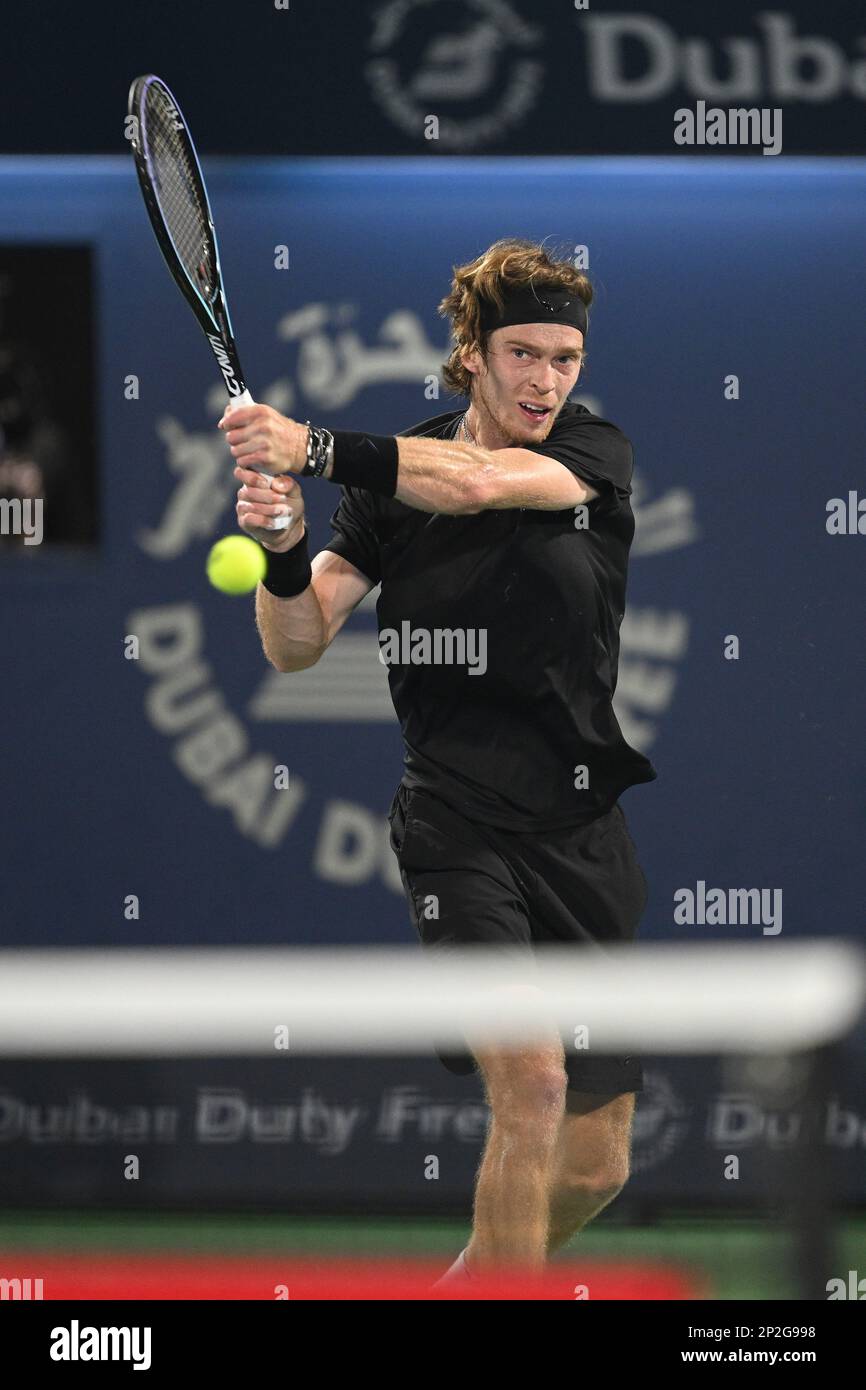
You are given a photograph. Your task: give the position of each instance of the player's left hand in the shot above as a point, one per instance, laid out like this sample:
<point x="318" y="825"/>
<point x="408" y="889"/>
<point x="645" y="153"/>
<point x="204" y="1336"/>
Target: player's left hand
<point x="260" y="436"/>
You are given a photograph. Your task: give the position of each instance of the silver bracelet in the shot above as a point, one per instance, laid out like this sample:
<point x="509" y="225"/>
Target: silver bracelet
<point x="320" y="451"/>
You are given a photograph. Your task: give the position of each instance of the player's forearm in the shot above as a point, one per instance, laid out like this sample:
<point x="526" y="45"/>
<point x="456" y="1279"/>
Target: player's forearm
<point x="440" y="475"/>
<point x="432" y="475"/>
<point x="293" y="631"/>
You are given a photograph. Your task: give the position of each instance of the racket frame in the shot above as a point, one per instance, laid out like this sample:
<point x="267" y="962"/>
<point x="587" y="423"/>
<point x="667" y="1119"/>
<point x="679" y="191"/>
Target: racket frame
<point x="213" y="314"/>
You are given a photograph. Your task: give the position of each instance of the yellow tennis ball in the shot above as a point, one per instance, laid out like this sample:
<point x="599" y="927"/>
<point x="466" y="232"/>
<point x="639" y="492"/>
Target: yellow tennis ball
<point x="236" y="564"/>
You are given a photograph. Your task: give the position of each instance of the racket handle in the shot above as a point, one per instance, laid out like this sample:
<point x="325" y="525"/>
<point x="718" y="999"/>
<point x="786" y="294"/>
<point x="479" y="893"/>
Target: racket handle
<point x="278" y="523"/>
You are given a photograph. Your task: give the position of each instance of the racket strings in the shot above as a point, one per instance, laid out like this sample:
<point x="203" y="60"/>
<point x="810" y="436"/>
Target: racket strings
<point x="176" y="188"/>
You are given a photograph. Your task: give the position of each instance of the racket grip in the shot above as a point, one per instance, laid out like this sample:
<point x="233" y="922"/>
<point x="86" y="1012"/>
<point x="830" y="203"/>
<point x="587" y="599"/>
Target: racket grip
<point x="278" y="523"/>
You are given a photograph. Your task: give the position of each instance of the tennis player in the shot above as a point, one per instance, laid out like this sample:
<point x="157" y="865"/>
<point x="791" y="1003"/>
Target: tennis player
<point x="499" y="534"/>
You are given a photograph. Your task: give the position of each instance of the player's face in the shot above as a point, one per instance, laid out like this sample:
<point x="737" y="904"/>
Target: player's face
<point x="532" y="364"/>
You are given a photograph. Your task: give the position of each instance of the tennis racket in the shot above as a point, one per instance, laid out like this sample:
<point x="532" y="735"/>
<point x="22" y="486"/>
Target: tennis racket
<point x="177" y="204"/>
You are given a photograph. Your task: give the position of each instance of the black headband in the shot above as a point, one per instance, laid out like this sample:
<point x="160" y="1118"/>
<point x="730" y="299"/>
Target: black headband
<point x="524" y="304"/>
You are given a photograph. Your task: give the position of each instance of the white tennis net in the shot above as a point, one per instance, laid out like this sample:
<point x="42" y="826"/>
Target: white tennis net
<point x="661" y="998"/>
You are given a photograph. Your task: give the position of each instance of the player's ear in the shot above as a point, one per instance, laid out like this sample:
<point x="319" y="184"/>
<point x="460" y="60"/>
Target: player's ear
<point x="472" y="361"/>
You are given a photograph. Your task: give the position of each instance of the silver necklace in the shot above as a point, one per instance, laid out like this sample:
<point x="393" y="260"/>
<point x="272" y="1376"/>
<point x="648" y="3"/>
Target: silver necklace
<point x="465" y="428"/>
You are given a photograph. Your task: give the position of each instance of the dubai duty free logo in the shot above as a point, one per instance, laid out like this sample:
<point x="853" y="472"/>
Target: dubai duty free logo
<point x="457" y="77"/>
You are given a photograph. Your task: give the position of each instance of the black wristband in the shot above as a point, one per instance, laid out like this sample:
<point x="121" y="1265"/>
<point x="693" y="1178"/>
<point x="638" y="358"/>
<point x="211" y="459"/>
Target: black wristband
<point x="289" y="572"/>
<point x="365" y="460"/>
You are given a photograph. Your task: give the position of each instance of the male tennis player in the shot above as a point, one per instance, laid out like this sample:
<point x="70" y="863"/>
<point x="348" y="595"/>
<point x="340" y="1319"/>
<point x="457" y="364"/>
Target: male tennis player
<point x="509" y="523"/>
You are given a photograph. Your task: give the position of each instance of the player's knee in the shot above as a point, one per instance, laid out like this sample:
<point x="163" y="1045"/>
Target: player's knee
<point x="526" y="1088"/>
<point x="590" y="1192"/>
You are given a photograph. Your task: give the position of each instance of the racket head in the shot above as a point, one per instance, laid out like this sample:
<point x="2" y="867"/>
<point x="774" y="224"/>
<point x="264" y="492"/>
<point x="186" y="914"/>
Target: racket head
<point x="175" y="196"/>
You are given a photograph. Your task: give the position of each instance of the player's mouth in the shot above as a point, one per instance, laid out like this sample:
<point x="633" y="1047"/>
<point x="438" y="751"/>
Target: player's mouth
<point x="537" y="413"/>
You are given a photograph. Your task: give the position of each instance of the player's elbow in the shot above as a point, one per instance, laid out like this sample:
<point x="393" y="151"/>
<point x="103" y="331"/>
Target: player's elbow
<point x="287" y="661"/>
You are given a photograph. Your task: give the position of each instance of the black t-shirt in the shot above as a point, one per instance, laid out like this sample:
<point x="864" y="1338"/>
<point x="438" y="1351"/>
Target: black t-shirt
<point x="512" y="692"/>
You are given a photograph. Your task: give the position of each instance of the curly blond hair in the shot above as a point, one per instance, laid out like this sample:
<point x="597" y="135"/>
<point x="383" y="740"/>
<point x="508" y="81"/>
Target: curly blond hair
<point x="509" y="263"/>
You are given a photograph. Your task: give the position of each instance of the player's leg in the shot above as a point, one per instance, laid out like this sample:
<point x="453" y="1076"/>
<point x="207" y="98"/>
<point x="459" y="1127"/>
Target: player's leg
<point x="589" y="889"/>
<point x="464" y="895"/>
<point x="591" y="1162"/>
<point x="526" y="1094"/>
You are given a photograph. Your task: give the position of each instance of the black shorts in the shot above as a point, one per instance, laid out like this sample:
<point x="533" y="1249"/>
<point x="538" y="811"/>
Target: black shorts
<point x="514" y="890"/>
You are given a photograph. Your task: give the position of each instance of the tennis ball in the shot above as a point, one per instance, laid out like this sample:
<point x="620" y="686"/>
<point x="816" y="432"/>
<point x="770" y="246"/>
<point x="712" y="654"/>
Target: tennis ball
<point x="236" y="564"/>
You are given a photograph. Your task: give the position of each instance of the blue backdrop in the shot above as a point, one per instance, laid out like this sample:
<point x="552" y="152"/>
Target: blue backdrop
<point x="154" y="776"/>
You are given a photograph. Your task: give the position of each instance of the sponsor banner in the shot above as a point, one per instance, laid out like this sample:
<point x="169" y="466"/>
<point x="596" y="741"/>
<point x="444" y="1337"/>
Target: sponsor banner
<point x="383" y="1133"/>
<point x="465" y="77"/>
<point x="166" y="785"/>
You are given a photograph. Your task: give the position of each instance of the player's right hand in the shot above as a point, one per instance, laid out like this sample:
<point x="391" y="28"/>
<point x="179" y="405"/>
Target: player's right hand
<point x="258" y="502"/>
